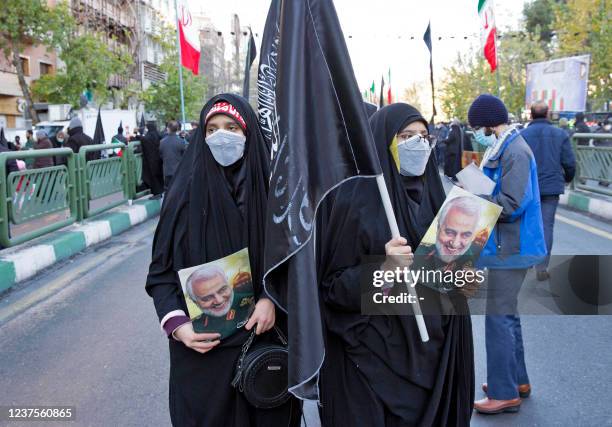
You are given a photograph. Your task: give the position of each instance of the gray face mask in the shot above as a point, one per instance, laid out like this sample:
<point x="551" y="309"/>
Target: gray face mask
<point x="226" y="147"/>
<point x="413" y="155"/>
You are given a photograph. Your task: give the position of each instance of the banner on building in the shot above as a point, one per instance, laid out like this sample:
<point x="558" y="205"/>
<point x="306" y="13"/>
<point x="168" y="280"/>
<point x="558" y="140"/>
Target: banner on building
<point x="562" y="83"/>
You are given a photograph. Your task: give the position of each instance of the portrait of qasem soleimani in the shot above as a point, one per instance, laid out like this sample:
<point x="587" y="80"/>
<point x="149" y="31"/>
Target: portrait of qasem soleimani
<point x="459" y="232"/>
<point x="219" y="295"/>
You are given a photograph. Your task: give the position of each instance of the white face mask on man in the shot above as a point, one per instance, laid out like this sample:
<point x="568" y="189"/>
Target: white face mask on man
<point x="226" y="147"/>
<point x="413" y="155"/>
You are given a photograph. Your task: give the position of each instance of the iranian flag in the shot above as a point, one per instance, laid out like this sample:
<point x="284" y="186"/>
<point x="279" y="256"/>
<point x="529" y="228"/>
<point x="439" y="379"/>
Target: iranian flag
<point x="189" y="40"/>
<point x="487" y="31"/>
<point x="389" y="96"/>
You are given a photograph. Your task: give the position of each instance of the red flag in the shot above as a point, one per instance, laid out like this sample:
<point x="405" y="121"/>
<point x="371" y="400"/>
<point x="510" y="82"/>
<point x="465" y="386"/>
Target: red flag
<point x="189" y="41"/>
<point x="488" y="31"/>
<point x="389" y="95"/>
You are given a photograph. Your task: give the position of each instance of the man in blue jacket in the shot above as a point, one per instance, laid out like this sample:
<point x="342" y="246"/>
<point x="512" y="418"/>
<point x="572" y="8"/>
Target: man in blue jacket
<point x="556" y="165"/>
<point x="516" y="244"/>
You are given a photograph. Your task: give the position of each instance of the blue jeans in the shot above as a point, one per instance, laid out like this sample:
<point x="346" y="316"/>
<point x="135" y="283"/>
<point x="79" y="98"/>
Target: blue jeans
<point x="504" y="339"/>
<point x="549" y="208"/>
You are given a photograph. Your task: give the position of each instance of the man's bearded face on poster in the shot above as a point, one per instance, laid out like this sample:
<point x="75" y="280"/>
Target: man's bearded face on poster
<point x="212" y="293"/>
<point x="457" y="228"/>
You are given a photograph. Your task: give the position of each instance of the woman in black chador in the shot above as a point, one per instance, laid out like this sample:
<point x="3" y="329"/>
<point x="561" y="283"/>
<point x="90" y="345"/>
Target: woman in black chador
<point x="214" y="207"/>
<point x="152" y="174"/>
<point x="377" y="371"/>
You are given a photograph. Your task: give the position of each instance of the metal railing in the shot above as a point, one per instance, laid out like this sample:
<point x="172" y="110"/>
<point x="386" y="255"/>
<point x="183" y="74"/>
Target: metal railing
<point x="134" y="158"/>
<point x="28" y="196"/>
<point x="593" y="162"/>
<point x="100" y="178"/>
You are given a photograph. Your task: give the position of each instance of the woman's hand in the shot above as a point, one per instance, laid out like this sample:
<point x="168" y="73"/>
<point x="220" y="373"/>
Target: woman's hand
<point x="399" y="254"/>
<point x="201" y="343"/>
<point x="264" y="315"/>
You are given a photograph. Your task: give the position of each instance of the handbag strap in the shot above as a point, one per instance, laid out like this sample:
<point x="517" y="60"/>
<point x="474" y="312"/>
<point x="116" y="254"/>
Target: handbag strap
<point x="245" y="349"/>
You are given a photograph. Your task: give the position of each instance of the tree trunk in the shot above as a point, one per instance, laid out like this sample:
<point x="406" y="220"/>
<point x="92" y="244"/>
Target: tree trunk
<point x="23" y="84"/>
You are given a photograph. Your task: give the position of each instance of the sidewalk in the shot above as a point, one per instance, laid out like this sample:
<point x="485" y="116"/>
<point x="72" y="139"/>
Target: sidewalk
<point x="595" y="204"/>
<point x="24" y="261"/>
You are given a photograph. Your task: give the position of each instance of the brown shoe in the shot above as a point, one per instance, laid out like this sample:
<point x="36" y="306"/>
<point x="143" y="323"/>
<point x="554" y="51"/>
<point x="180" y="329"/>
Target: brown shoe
<point x="492" y="406"/>
<point x="523" y="389"/>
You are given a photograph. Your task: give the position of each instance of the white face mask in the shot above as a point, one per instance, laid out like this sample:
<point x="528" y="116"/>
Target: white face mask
<point x="226" y="147"/>
<point x="413" y="155"/>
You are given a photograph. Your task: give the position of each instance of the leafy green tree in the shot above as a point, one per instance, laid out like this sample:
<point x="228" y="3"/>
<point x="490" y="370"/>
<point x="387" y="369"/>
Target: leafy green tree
<point x="89" y="64"/>
<point x="538" y="16"/>
<point x="32" y="22"/>
<point x="583" y="27"/>
<point x="163" y="98"/>
<point x="412" y="96"/>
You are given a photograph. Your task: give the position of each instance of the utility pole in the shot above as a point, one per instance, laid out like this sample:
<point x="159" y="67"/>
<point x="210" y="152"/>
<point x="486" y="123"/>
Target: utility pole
<point x="180" y="64"/>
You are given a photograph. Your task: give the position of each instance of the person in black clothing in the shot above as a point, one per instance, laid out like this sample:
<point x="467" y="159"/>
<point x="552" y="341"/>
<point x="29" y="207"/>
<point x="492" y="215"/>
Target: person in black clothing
<point x="453" y="152"/>
<point x="17" y="143"/>
<point x="377" y="372"/>
<point x="171" y="151"/>
<point x="11" y="165"/>
<point x="78" y="139"/>
<point x="581" y="127"/>
<point x="152" y="174"/>
<point x="214" y="208"/>
<point x="59" y="141"/>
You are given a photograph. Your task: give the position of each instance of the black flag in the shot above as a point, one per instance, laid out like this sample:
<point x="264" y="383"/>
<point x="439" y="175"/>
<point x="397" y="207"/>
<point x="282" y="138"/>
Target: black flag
<point x="141" y="126"/>
<point x="266" y="77"/>
<point x="3" y="140"/>
<point x="427" y="40"/>
<point x="251" y="54"/>
<point x="99" y="132"/>
<point x="382" y="95"/>
<point x="322" y="142"/>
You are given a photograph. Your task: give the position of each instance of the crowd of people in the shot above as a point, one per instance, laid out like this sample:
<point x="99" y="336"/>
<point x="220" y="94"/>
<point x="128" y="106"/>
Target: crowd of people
<point x="376" y="371"/>
<point x="161" y="151"/>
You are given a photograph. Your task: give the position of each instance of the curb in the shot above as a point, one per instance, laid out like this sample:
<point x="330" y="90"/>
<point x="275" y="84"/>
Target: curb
<point x="24" y="263"/>
<point x="584" y="203"/>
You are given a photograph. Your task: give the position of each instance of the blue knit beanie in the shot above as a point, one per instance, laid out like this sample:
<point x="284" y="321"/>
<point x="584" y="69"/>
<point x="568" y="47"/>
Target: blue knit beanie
<point x="487" y="111"/>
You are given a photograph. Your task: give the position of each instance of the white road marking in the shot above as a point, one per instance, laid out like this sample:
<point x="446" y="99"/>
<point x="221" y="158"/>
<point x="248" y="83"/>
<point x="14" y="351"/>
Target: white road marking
<point x="584" y="227"/>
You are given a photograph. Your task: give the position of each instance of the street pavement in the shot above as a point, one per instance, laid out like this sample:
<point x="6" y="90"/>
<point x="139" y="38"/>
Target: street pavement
<point x="85" y="334"/>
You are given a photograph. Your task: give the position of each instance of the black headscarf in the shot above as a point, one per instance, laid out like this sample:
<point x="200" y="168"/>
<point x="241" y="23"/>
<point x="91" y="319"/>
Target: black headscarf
<point x="370" y="108"/>
<point x="423" y="194"/>
<point x="424" y="383"/>
<point x="210" y="211"/>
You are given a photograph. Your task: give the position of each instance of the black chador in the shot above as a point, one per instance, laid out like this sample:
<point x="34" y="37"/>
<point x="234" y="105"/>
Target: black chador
<point x="209" y="212"/>
<point x="377" y="371"/>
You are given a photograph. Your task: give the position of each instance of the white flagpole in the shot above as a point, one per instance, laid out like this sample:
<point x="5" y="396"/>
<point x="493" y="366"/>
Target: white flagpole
<point x="180" y="64"/>
<point x="418" y="314"/>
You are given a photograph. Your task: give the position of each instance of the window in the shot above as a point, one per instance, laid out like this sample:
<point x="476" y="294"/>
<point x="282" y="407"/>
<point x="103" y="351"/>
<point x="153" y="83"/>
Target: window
<point x="45" y="68"/>
<point x="25" y="65"/>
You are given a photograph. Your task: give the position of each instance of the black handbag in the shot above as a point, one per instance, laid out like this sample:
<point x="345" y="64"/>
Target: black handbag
<point x="262" y="372"/>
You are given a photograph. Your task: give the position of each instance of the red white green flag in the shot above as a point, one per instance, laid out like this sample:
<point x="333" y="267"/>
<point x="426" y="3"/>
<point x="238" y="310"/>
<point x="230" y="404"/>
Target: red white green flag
<point x="189" y="40"/>
<point x="488" y="31"/>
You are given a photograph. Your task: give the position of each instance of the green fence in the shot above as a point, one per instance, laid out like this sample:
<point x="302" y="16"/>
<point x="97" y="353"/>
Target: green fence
<point x="101" y="178"/>
<point x="32" y="194"/>
<point x="134" y="157"/>
<point x="593" y="162"/>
